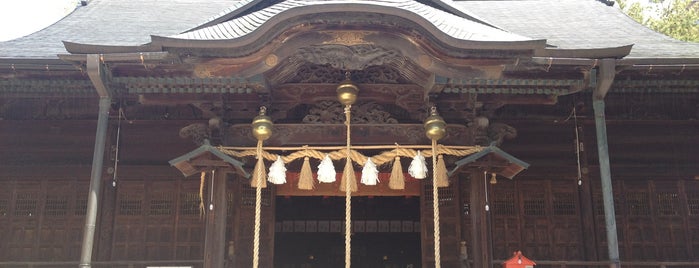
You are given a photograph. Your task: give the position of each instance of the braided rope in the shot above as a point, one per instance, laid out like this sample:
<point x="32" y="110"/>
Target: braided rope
<point x="380" y="159"/>
<point x="435" y="209"/>
<point x="348" y="196"/>
<point x="258" y="212"/>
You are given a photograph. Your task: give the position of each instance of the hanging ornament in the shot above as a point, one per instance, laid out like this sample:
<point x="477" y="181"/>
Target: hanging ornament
<point x="262" y="130"/>
<point x="259" y="174"/>
<point x="397" y="179"/>
<point x="370" y="174"/>
<point x="348" y="176"/>
<point x="277" y="172"/>
<point x="441" y="177"/>
<point x="306" y="176"/>
<point x="418" y="167"/>
<point x="326" y="170"/>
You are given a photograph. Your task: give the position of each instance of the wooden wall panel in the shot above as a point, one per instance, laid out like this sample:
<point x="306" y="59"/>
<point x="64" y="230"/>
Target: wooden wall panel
<point x="539" y="217"/>
<point x="41" y="219"/>
<point x="157" y="220"/>
<point x="656" y="219"/>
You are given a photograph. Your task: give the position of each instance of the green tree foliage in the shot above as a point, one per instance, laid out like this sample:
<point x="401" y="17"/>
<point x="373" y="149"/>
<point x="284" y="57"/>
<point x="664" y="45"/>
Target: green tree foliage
<point x="678" y="19"/>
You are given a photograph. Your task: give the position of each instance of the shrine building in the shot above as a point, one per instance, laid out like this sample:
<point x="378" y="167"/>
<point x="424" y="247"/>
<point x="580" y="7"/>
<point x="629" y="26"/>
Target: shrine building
<point x="355" y="133"/>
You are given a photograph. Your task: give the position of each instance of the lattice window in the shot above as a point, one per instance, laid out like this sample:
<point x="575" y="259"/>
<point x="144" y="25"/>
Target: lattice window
<point x="637" y="204"/>
<point x="535" y="205"/>
<point x="26" y="204"/>
<point x="56" y="205"/>
<point x="130" y="204"/>
<point x="668" y="204"/>
<point x="161" y="204"/>
<point x="446" y="195"/>
<point x="189" y="203"/>
<point x="249" y="195"/>
<point x="504" y="204"/>
<point x="693" y="203"/>
<point x="4" y="206"/>
<point x="80" y="207"/>
<point x="564" y="204"/>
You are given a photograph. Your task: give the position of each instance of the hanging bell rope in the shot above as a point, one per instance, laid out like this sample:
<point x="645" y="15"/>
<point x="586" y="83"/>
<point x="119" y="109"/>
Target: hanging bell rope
<point x="347" y="95"/>
<point x="262" y="130"/>
<point x="435" y="129"/>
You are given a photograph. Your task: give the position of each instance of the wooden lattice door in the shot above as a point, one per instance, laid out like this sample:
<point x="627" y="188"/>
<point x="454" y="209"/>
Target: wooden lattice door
<point x="449" y="222"/>
<point x="242" y="208"/>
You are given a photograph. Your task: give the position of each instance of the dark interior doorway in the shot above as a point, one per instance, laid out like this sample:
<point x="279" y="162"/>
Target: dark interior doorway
<point x="309" y="232"/>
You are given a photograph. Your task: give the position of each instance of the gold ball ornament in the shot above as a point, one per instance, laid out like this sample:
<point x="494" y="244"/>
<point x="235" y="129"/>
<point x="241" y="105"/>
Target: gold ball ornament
<point x="347" y="92"/>
<point x="262" y="125"/>
<point x="435" y="127"/>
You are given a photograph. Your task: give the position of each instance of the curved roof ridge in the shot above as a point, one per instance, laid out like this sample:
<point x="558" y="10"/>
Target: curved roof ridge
<point x="450" y="24"/>
<point x="229" y="13"/>
<point x="455" y="9"/>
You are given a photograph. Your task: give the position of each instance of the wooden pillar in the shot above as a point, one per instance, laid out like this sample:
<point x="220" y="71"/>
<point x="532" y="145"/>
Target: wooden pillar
<point x="215" y="238"/>
<point x="587" y="212"/>
<point x="480" y="229"/>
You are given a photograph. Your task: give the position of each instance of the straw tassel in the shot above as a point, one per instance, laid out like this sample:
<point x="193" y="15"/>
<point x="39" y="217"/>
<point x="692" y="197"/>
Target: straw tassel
<point x="348" y="174"/>
<point x="370" y="174"/>
<point x="397" y="179"/>
<point x="259" y="173"/>
<point x="326" y="170"/>
<point x="440" y="173"/>
<point x="202" y="184"/>
<point x="418" y="167"/>
<point x="277" y="172"/>
<point x="306" y="176"/>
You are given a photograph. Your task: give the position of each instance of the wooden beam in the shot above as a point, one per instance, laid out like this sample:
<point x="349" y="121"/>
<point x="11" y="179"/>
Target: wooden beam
<point x="412" y="187"/>
<point x="216" y="214"/>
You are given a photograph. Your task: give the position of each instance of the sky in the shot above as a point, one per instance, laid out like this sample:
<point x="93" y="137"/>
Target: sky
<point x="22" y="17"/>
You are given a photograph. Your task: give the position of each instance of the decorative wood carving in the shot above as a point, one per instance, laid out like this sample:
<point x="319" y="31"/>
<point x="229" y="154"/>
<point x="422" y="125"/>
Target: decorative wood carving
<point x="197" y="131"/>
<point x="497" y="132"/>
<point x="343" y="57"/>
<point x="332" y="112"/>
<point x="312" y="73"/>
<point x="408" y="97"/>
<point x="330" y="134"/>
<point x="348" y="38"/>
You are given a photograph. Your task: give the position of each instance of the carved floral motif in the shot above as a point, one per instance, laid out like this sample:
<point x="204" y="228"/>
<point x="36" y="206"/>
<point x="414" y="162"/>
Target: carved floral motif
<point x="342" y="57"/>
<point x="332" y="112"/>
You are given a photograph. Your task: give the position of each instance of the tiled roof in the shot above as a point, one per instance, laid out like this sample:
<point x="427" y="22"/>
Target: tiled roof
<point x="448" y="23"/>
<point x="579" y="24"/>
<point x="115" y="22"/>
<point x="565" y="24"/>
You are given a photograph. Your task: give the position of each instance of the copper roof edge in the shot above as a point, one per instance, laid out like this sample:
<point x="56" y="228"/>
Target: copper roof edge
<point x="588" y="53"/>
<point x="79" y="48"/>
